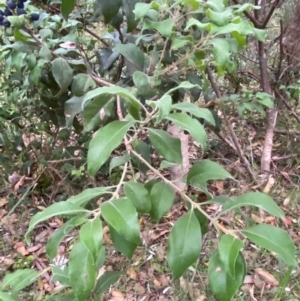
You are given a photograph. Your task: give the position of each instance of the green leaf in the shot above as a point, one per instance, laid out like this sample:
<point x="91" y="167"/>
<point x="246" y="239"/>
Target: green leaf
<point x="196" y="111"/>
<point x="165" y="27"/>
<point x="61" y="274"/>
<point x="122" y="245"/>
<point x="62" y="73"/>
<point x="66" y="7"/>
<point x="106" y="280"/>
<point x="257" y="199"/>
<point x="220" y="18"/>
<point x="91" y="111"/>
<point x="82" y="83"/>
<point x="142" y="83"/>
<point x="57" y="236"/>
<point x="229" y="249"/>
<point x="164" y="104"/>
<point x="115" y="90"/>
<point x="8" y="297"/>
<point x="104" y="142"/>
<point x="193" y="126"/>
<point x="138" y="195"/>
<point x="128" y="7"/>
<point x="100" y="258"/>
<point x="91" y="235"/>
<point x="273" y="239"/>
<point x="82" y="271"/>
<point x="19" y="279"/>
<point x="87" y="195"/>
<point x="109" y="8"/>
<point x="203" y="221"/>
<point x="184" y="244"/>
<point x="143" y="149"/>
<point x="73" y="106"/>
<point x="122" y="216"/>
<point x="133" y="54"/>
<point x="265" y="99"/>
<point x="60" y="208"/>
<point x="162" y="197"/>
<point x="222" y="284"/>
<point x="118" y="161"/>
<point x="204" y="171"/>
<point x="166" y="145"/>
<point x="221" y="52"/>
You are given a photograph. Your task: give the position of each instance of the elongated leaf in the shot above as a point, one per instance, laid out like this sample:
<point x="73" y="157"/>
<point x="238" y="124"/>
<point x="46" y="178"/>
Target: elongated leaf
<point x="66" y="7"/>
<point x="109" y="8"/>
<point x="82" y="271"/>
<point x="195" y="110"/>
<point x="56" y="238"/>
<point x="73" y="106"/>
<point x="128" y="7"/>
<point x="257" y="199"/>
<point x="115" y="90"/>
<point x="133" y="54"/>
<point x="162" y="197"/>
<point x="193" y="126"/>
<point x="104" y="142"/>
<point x="87" y="195"/>
<point x="60" y="208"/>
<point x="100" y="258"/>
<point x="222" y="284"/>
<point x="82" y="83"/>
<point x="273" y="239"/>
<point x="184" y="244"/>
<point x="166" y="145"/>
<point x="164" y="104"/>
<point x="204" y="171"/>
<point x="91" y="236"/>
<point x="122" y="216"/>
<point x="62" y="73"/>
<point x="229" y="249"/>
<point x="106" y="280"/>
<point x="8" y="297"/>
<point x="19" y="279"/>
<point x="138" y="195"/>
<point x="118" y="161"/>
<point x="61" y="274"/>
<point x="122" y="245"/>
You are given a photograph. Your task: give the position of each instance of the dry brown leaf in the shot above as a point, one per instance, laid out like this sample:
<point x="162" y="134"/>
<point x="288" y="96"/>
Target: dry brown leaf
<point x="20" y="183"/>
<point x="6" y="262"/>
<point x="20" y="248"/>
<point x="3" y="202"/>
<point x="269" y="185"/>
<point x="156" y="282"/>
<point x="132" y="273"/>
<point x="267" y="276"/>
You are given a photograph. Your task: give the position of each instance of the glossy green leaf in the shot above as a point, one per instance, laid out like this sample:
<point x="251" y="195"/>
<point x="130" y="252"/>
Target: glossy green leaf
<point x="57" y="236"/>
<point x="62" y="73"/>
<point x="164" y="104"/>
<point x="66" y="7"/>
<point x="193" y="126"/>
<point x="60" y="208"/>
<point x="73" y="106"/>
<point x="8" y="297"/>
<point x="133" y="54"/>
<point x="118" y="161"/>
<point x="19" y="279"/>
<point x="82" y="271"/>
<point x="204" y="171"/>
<point x="195" y="110"/>
<point x="229" y="249"/>
<point x="115" y="90"/>
<point x="82" y="83"/>
<point x="122" y="216"/>
<point x="61" y="274"/>
<point x="184" y="244"/>
<point x="128" y="7"/>
<point x="91" y="235"/>
<point x="104" y="142"/>
<point x="101" y="256"/>
<point x="122" y="245"/>
<point x="162" y="198"/>
<point x="273" y="239"/>
<point x="106" y="280"/>
<point x="142" y="83"/>
<point x="109" y="8"/>
<point x="166" y="145"/>
<point x="203" y="221"/>
<point x="257" y="199"/>
<point x="87" y="195"/>
<point x="223" y="285"/>
<point x="143" y="149"/>
<point x="138" y="195"/>
<point x="165" y="27"/>
<point x="220" y="18"/>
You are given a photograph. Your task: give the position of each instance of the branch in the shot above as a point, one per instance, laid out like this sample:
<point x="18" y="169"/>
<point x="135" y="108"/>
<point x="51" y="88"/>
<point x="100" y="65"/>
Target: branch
<point x="271" y="11"/>
<point x="232" y="133"/>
